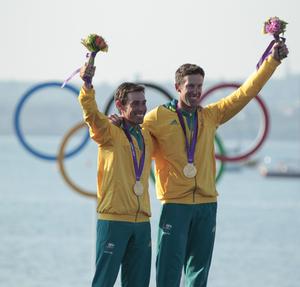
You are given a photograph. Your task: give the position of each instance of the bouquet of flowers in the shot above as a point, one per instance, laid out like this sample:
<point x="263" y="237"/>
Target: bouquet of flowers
<point x="275" y="27"/>
<point x="95" y="43"/>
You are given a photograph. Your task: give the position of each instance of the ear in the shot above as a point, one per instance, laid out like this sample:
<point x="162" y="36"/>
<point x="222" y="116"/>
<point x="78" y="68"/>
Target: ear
<point x="177" y="87"/>
<point x="119" y="106"/>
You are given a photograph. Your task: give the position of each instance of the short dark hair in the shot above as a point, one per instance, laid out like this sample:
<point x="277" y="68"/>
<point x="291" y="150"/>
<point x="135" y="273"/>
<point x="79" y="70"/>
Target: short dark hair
<point x="124" y="89"/>
<point x="187" y="69"/>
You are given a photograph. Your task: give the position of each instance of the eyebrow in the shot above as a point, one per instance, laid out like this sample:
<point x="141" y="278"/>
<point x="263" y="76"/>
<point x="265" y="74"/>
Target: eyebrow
<point x="137" y="101"/>
<point x="144" y="100"/>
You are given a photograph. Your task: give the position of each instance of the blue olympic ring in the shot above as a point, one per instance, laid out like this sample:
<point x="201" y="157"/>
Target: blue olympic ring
<point x="19" y="132"/>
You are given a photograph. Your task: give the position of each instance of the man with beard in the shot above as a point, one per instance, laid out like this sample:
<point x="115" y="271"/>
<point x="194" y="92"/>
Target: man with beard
<point x="124" y="162"/>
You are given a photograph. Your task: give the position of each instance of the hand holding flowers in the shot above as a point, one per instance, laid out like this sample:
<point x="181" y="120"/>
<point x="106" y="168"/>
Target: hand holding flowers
<point x="94" y="43"/>
<point x="274" y="26"/>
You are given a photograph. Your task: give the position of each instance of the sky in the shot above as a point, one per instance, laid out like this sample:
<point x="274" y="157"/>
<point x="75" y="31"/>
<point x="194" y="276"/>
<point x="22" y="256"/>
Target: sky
<point x="148" y="39"/>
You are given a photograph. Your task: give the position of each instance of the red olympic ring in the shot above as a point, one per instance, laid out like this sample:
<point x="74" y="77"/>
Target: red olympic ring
<point x="261" y="136"/>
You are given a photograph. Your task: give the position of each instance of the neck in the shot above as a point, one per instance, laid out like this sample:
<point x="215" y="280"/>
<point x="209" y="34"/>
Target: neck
<point x="185" y="107"/>
<point x="131" y="124"/>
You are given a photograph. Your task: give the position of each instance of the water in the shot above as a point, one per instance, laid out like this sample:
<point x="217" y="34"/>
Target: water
<point x="47" y="231"/>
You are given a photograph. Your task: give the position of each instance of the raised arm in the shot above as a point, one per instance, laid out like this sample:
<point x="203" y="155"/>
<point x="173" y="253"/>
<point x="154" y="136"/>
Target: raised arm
<point x="229" y="106"/>
<point x="99" y="125"/>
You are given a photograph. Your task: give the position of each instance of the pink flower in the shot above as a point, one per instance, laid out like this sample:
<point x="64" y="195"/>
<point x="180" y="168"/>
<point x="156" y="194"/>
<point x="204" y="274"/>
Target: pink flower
<point x="98" y="41"/>
<point x="274" y="26"/>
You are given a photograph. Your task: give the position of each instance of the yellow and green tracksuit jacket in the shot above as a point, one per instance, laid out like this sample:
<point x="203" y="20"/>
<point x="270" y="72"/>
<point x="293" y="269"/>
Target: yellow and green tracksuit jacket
<point x="115" y="175"/>
<point x="170" y="153"/>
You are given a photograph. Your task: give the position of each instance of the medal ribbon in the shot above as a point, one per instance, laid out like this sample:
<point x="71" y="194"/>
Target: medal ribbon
<point x="190" y="148"/>
<point x="268" y="51"/>
<point x="91" y="56"/>
<point x="138" y="168"/>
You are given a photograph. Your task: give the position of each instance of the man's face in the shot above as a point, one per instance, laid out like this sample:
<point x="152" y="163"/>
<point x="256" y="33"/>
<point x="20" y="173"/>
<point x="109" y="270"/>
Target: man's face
<point x="190" y="90"/>
<point x="135" y="108"/>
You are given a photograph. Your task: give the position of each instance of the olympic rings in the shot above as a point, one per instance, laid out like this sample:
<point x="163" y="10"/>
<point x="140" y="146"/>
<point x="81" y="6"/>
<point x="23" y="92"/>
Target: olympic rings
<point x="19" y="132"/>
<point x="261" y="137"/>
<point x="62" y="155"/>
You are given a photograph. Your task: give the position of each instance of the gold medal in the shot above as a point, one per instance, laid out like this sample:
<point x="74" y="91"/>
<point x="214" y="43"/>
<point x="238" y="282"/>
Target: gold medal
<point x="138" y="188"/>
<point x="190" y="170"/>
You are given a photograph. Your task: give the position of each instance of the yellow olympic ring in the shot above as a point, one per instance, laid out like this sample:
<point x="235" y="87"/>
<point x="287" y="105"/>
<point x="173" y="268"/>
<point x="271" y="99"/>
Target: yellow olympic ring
<point x="60" y="161"/>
